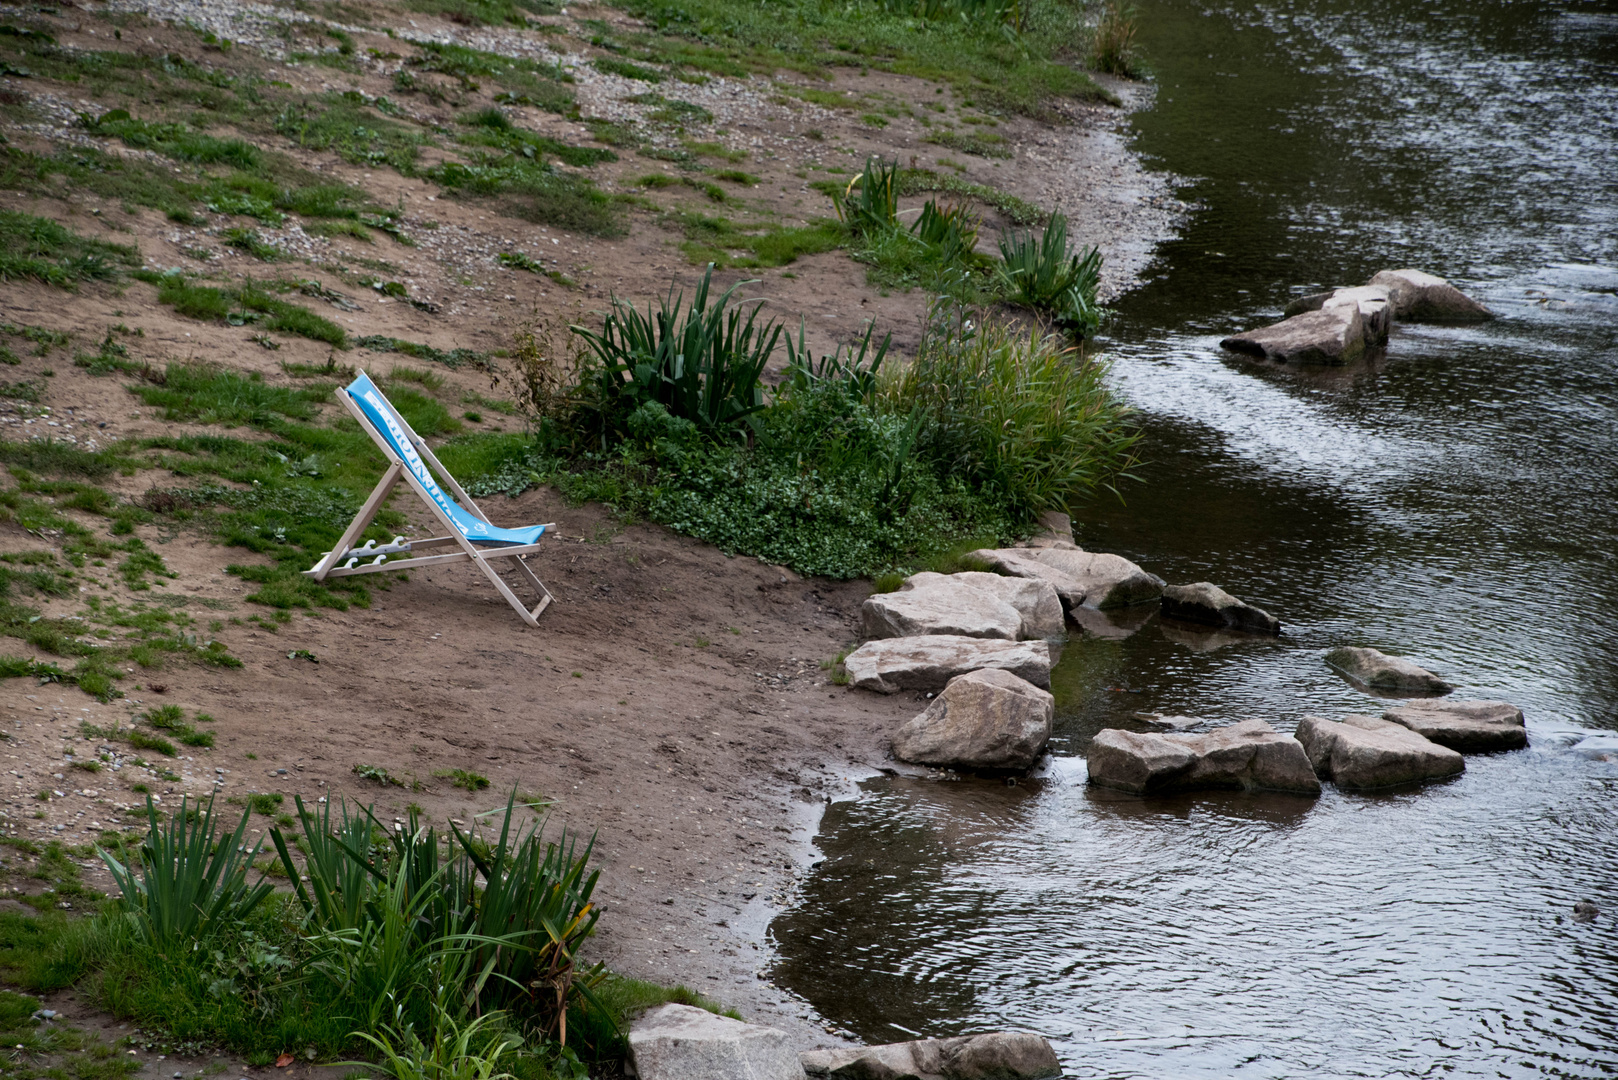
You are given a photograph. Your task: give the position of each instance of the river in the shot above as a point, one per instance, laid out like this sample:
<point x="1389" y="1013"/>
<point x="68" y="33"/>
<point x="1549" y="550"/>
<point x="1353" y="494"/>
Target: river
<point x="1453" y="501"/>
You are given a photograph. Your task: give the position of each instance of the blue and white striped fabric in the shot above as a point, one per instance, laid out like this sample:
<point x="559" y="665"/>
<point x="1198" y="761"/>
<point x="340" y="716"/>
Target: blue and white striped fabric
<point x="379" y="411"/>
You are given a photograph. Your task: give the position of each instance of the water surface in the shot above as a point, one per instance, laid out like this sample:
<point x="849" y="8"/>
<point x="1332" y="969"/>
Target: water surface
<point x="1452" y="501"/>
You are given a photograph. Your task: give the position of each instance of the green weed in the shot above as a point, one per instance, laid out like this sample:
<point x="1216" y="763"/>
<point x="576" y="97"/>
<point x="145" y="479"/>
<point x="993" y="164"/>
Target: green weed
<point x="461" y="778"/>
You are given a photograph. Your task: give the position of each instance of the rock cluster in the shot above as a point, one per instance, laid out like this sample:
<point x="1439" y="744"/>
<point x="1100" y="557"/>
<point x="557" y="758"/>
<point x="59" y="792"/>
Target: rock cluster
<point x="1081" y="578"/>
<point x="1340" y="326"/>
<point x="965" y="605"/>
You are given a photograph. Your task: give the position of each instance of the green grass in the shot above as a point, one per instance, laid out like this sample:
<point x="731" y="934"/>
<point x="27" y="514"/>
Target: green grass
<point x="980" y="143"/>
<point x="726" y="244"/>
<point x="524" y="81"/>
<point x="356" y="132"/>
<point x="1021" y="72"/>
<point x="611" y="65"/>
<point x="38" y="248"/>
<point x="450" y="358"/>
<point x="206" y="394"/>
<point x="461" y="778"/>
<point x="526" y="188"/>
<point x="243" y="304"/>
<point x="177" y="141"/>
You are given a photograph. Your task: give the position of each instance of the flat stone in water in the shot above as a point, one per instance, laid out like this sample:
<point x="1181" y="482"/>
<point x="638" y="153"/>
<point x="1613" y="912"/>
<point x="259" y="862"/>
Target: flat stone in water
<point x="1469" y="727"/>
<point x="1249" y="756"/>
<point x="1364" y="752"/>
<point x="998" y="1055"/>
<point x="1207" y="603"/>
<point x="1379" y="671"/>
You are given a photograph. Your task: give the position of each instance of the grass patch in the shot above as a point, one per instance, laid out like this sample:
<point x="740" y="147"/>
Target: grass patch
<point x="719" y="241"/>
<point x="611" y="65"/>
<point x="450" y="358"/>
<point x="38" y="248"/>
<point x="984" y="144"/>
<point x="460" y="778"/>
<point x="242" y="305"/>
<point x="208" y="394"/>
<point x="965" y="45"/>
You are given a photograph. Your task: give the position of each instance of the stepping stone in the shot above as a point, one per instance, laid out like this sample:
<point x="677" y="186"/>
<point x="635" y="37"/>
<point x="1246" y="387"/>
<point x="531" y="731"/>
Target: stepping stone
<point x="1081" y="578"/>
<point x="987" y="719"/>
<point x="679" y="1042"/>
<point x="1328" y="336"/>
<point x="1251" y="756"/>
<point x="930" y="661"/>
<point x="1469" y="727"/>
<point x="1210" y="605"/>
<point x="1422" y="297"/>
<point x="1364" y="752"/>
<point x="1392" y="674"/>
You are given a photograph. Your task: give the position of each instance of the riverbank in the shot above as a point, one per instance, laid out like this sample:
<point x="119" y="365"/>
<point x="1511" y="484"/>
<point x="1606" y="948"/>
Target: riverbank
<point x="673" y="701"/>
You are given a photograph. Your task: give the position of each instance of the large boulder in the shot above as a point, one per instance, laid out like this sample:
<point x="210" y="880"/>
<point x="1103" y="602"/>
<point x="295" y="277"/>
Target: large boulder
<point x="1364" y="752"/>
<point x="1390" y="674"/>
<point x="1209" y="604"/>
<point x="1034" y="598"/>
<point x="932" y="660"/>
<point x="1375" y="306"/>
<point x="678" y="1042"/>
<point x="1373" y="302"/>
<point x="988" y="719"/>
<point x="1334" y="336"/>
<point x="1467" y="726"/>
<point x="1000" y="1055"/>
<point x="941" y="609"/>
<point x="1422" y="297"/>
<point x="1109" y="581"/>
<point x="1081" y="578"/>
<point x="971" y="604"/>
<point x="1250" y="755"/>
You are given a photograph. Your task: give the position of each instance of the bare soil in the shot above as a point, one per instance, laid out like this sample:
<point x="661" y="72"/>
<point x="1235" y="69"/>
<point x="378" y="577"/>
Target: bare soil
<point x="673" y="701"/>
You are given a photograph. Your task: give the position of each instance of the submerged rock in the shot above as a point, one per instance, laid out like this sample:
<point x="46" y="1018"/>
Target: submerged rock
<point x="678" y="1042"/>
<point x="1251" y="756"/>
<point x="1000" y="1055"/>
<point x="930" y="661"/>
<point x="1373" y="301"/>
<point x="1114" y="624"/>
<point x="1207" y="603"/>
<point x="1169" y="723"/>
<point x="1363" y="752"/>
<point x="988" y="719"/>
<point x="1334" y="336"/>
<point x="1469" y="727"/>
<point x="1423" y="297"/>
<point x="1392" y="674"/>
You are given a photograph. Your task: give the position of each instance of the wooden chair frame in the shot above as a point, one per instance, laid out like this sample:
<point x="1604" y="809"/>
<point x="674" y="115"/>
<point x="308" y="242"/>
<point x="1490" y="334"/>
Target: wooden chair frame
<point x="331" y="564"/>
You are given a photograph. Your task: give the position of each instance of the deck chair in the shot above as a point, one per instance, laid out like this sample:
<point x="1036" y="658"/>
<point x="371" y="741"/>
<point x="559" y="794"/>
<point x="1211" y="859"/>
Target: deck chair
<point x="410" y="460"/>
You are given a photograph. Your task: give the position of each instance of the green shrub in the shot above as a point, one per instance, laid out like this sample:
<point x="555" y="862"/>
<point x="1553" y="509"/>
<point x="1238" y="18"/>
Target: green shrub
<point x="1112" y="45"/>
<point x="1013" y="414"/>
<point x="699" y="366"/>
<point x="1042" y="275"/>
<point x="869" y="206"/>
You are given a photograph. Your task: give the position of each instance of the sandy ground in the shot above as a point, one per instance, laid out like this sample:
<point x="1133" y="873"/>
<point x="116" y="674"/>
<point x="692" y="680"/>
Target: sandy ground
<point x="673" y="701"/>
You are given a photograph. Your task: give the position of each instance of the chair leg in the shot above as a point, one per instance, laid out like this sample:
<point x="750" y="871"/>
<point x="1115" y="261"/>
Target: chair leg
<point x="531" y="618"/>
<point x="362" y="520"/>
